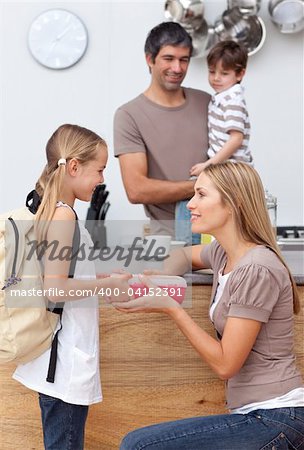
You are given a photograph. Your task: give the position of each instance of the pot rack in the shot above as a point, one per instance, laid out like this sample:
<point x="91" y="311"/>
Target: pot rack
<point x="239" y="22"/>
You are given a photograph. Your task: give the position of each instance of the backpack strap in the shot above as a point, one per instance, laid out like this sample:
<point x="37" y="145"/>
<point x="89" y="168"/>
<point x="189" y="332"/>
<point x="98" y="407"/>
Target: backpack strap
<point x="13" y="279"/>
<point x="58" y="309"/>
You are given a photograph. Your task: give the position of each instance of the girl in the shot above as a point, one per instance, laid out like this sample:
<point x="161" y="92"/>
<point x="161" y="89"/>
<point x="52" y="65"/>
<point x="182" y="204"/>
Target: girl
<point x="254" y="298"/>
<point x="76" y="159"/>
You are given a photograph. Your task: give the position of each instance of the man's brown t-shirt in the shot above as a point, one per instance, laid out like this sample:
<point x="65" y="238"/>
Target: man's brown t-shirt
<point x="173" y="138"/>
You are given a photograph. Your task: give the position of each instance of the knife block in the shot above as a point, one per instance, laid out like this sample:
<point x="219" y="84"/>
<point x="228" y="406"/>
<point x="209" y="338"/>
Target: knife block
<point x="98" y="232"/>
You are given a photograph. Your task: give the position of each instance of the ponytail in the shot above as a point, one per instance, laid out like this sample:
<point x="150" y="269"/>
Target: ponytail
<point x="49" y="188"/>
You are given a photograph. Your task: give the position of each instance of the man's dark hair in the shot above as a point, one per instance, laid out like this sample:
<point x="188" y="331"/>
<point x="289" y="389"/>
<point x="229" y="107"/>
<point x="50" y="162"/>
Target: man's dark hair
<point x="167" y="33"/>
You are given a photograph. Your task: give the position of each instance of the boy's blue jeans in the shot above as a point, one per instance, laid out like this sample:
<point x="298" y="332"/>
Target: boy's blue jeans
<point x="183" y="224"/>
<point x="272" y="429"/>
<point x="63" y="424"/>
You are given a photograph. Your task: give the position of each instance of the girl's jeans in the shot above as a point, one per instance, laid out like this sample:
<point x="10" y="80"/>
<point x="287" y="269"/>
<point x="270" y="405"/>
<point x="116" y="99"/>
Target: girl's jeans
<point x="63" y="424"/>
<point x="273" y="429"/>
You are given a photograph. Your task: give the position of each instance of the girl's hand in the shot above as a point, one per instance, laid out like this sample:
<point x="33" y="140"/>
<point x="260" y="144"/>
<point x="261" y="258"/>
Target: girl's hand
<point x="153" y="272"/>
<point x="148" y="303"/>
<point x="118" y="272"/>
<point x="102" y="275"/>
<point x="118" y="287"/>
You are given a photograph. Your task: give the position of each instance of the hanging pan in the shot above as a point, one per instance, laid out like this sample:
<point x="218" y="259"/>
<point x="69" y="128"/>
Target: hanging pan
<point x="203" y="39"/>
<point x="189" y="13"/>
<point x="250" y="31"/>
<point x="246" y="7"/>
<point x="287" y="15"/>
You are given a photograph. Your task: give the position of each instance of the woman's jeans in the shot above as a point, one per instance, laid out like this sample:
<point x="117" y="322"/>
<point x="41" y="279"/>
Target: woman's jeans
<point x="63" y="424"/>
<point x="273" y="429"/>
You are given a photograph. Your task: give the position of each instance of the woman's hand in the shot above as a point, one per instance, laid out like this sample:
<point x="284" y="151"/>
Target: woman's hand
<point x="150" y="302"/>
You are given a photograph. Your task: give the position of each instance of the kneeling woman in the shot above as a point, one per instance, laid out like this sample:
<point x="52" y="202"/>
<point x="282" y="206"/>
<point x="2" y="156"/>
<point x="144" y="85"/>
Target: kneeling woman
<point x="253" y="301"/>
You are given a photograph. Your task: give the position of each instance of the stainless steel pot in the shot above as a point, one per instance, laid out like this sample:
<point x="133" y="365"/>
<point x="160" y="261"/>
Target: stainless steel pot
<point x="203" y="39"/>
<point x="287" y="15"/>
<point x="189" y="13"/>
<point x="246" y="7"/>
<point x="250" y="31"/>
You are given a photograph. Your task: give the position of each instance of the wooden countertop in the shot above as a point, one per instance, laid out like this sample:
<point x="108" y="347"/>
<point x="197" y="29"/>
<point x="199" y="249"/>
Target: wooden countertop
<point x="149" y="371"/>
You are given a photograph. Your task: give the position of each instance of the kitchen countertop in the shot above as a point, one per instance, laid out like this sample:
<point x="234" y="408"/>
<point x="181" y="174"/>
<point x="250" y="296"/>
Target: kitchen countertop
<point x="293" y="258"/>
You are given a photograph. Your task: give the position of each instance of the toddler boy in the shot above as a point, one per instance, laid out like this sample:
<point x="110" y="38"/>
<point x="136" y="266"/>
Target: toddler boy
<point x="228" y="121"/>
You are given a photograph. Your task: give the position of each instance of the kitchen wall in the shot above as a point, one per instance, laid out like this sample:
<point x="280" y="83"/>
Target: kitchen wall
<point x="35" y="100"/>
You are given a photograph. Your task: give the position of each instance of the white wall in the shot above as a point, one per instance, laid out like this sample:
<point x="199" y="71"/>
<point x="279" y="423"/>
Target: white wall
<point x="35" y="100"/>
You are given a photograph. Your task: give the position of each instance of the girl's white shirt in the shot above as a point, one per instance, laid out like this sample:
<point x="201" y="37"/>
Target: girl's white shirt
<point x="77" y="378"/>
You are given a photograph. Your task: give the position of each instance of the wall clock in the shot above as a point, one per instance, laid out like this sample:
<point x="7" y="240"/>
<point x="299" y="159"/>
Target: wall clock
<point x="57" y="39"/>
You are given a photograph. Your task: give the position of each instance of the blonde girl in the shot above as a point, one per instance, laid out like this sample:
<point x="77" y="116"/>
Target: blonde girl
<point x="76" y="159"/>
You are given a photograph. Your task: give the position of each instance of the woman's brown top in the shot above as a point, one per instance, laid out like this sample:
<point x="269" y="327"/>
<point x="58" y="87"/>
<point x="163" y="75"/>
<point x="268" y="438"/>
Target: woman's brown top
<point x="258" y="288"/>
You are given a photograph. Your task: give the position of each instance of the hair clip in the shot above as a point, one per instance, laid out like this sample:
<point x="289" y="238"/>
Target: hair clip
<point x="61" y="162"/>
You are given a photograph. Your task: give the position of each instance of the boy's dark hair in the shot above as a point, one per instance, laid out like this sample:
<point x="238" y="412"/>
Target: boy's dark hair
<point x="167" y="33"/>
<point x="232" y="55"/>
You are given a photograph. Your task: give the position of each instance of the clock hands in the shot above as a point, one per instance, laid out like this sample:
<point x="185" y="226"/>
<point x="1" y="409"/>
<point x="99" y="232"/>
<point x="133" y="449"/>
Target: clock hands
<point x="59" y="37"/>
<point x="63" y="33"/>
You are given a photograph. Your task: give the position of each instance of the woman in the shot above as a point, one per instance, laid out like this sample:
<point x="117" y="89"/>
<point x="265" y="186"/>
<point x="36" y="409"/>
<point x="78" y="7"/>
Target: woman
<point x="253" y="301"/>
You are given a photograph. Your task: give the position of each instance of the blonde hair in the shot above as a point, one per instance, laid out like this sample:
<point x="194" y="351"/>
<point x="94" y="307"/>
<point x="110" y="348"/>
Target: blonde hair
<point x="241" y="188"/>
<point x="68" y="141"/>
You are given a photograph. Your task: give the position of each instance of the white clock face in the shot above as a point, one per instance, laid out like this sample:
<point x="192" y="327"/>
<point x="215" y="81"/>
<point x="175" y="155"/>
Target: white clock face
<point x="57" y="39"/>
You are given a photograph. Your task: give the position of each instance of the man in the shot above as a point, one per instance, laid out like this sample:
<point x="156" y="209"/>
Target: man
<point x="162" y="133"/>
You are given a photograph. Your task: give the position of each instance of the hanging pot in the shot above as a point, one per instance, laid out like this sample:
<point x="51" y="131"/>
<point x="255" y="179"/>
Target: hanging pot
<point x="189" y="13"/>
<point x="246" y="7"/>
<point x="249" y="31"/>
<point x="203" y="39"/>
<point x="287" y="15"/>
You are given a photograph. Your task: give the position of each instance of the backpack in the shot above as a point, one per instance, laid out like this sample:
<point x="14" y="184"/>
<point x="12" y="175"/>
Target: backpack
<point x="27" y="321"/>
